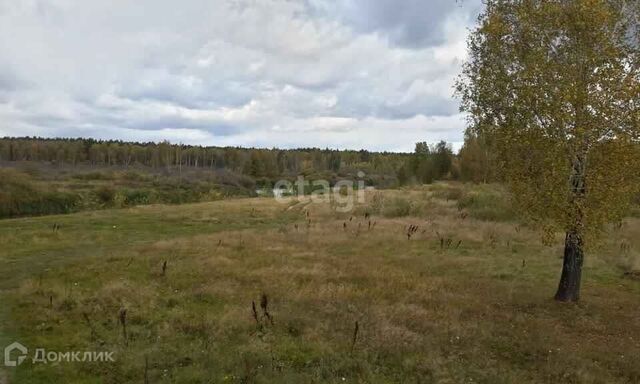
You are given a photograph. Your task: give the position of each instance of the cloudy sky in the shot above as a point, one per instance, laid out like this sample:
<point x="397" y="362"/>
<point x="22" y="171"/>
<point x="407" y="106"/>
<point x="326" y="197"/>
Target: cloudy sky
<point x="374" y="74"/>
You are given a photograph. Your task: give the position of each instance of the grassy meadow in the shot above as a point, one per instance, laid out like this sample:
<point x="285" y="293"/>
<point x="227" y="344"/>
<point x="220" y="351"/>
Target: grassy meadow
<point x="436" y="284"/>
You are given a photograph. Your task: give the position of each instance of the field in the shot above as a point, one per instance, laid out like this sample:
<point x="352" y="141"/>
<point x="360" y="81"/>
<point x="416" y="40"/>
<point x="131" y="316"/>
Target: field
<point x="252" y="290"/>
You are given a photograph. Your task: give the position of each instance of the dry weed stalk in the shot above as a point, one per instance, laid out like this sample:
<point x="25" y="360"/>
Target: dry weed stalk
<point x="411" y="231"/>
<point x="492" y="240"/>
<point x="255" y="312"/>
<point x="146" y="370"/>
<point x="446" y="242"/>
<point x="87" y="320"/>
<point x="264" y="304"/>
<point x="122" y="317"/>
<point x="625" y="247"/>
<point x="355" y="335"/>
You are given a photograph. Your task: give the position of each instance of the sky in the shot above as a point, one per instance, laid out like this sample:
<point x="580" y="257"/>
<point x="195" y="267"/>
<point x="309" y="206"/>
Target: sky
<point x="346" y="74"/>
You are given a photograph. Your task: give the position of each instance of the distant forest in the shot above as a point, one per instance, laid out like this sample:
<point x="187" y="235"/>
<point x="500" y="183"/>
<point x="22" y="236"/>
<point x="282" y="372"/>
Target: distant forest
<point x="385" y="169"/>
<point x="41" y="176"/>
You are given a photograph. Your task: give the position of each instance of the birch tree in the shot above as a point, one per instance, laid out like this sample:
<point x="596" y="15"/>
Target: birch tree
<point x="554" y="86"/>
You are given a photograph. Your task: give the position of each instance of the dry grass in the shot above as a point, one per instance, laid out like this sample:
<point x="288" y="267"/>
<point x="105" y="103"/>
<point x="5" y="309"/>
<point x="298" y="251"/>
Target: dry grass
<point x="476" y="309"/>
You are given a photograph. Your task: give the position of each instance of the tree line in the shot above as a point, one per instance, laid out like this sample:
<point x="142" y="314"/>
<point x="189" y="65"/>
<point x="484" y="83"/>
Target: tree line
<point x="255" y="162"/>
<point x="426" y="164"/>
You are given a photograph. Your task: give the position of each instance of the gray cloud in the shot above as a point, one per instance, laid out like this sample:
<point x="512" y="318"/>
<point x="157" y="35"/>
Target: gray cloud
<point x="374" y="74"/>
<point x="409" y="23"/>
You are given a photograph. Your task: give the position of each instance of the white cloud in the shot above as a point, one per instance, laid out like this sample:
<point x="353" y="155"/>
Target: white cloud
<point x="237" y="72"/>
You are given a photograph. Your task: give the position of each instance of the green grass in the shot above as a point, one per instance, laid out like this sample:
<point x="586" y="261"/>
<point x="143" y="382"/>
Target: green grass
<point x="480" y="311"/>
